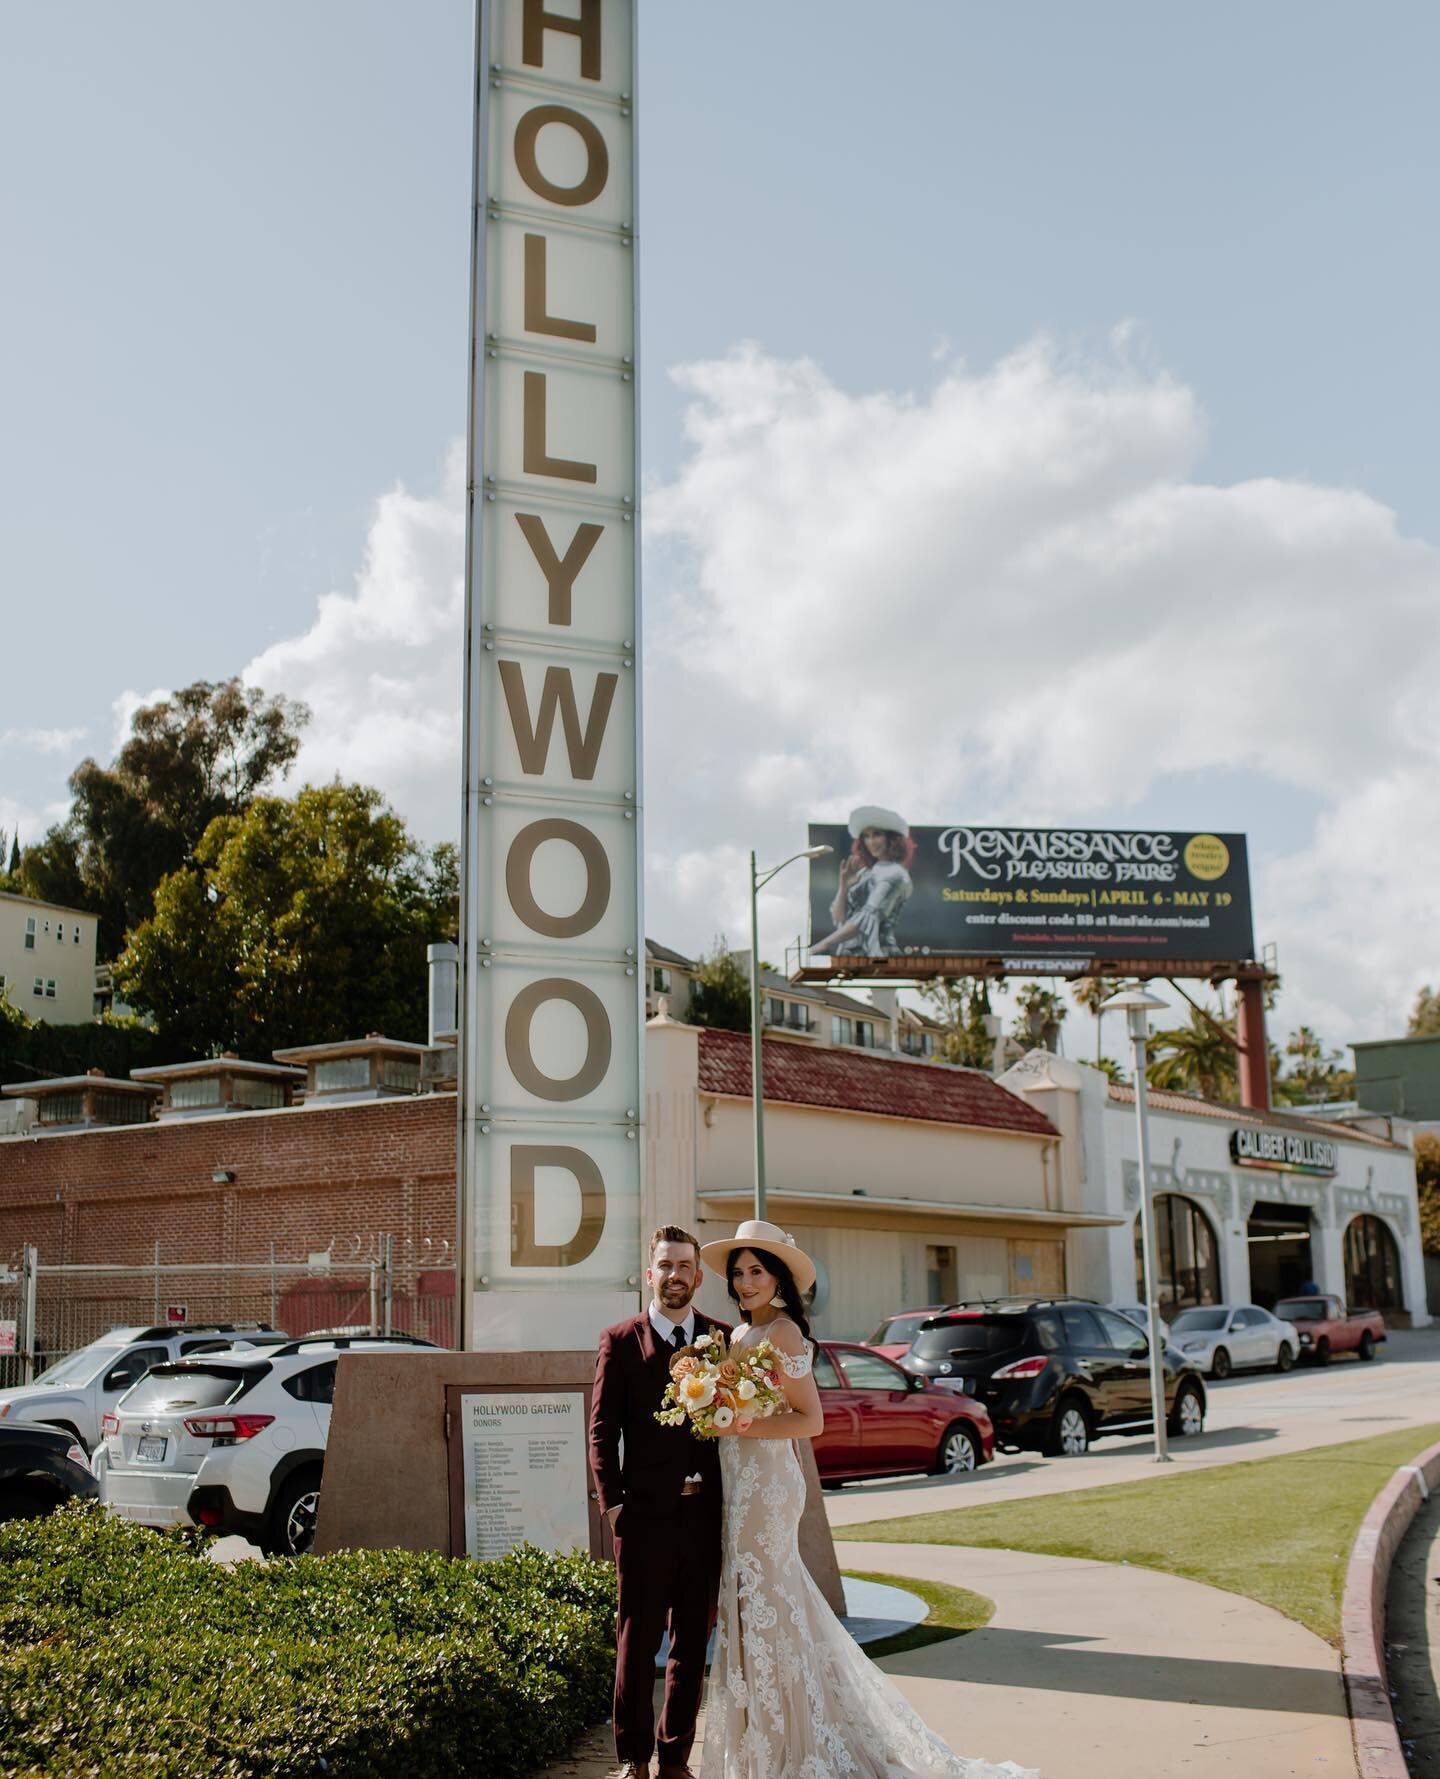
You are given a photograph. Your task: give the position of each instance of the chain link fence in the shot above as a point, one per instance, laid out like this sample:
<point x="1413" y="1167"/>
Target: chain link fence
<point x="47" y="1311"/>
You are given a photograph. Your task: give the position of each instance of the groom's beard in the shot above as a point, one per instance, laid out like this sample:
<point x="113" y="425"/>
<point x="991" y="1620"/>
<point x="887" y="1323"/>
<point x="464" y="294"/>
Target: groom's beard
<point x="674" y="1296"/>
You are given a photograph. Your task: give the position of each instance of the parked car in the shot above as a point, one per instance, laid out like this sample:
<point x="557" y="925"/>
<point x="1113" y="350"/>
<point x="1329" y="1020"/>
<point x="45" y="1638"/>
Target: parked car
<point x="233" y="1441"/>
<point x="1220" y="1338"/>
<point x="39" y="1468"/>
<point x="75" y="1393"/>
<point x="1326" y="1328"/>
<point x="882" y="1421"/>
<point x="894" y="1334"/>
<point x="1133" y="1312"/>
<point x="1055" y="1373"/>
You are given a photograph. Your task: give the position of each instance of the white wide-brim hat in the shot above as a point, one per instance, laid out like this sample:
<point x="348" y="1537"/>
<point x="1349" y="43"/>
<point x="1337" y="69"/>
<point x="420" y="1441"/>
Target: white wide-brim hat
<point x="755" y="1234"/>
<point x="871" y="815"/>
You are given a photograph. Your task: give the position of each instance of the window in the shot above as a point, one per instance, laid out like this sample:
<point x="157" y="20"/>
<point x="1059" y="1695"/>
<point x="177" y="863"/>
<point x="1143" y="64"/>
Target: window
<point x="59" y="932"/>
<point x="1122" y="1334"/>
<point x="841" y="1031"/>
<point x="1081" y="1328"/>
<point x="257" y="1095"/>
<point x="49" y="988"/>
<point x="62" y="1108"/>
<point x="774" y="1011"/>
<point x="660" y="980"/>
<point x="342" y="1071"/>
<point x="399" y="1073"/>
<point x="940" y="1273"/>
<point x="865" y="1034"/>
<point x="30" y="932"/>
<point x="1372" y="1266"/>
<point x="202" y="1090"/>
<point x="315" y="1384"/>
<point x="826" y="1376"/>
<point x="121" y="1108"/>
<point x="133" y="1367"/>
<point x="798" y="1017"/>
<point x="868" y="1371"/>
<point x="75" y="936"/>
<point x="39" y="987"/>
<point x="1184" y="1254"/>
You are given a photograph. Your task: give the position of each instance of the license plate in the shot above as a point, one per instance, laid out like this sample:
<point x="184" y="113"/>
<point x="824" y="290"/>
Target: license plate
<point x="151" y="1450"/>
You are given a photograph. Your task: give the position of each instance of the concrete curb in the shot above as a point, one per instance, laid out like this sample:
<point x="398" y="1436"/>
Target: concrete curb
<point x="1378" y="1754"/>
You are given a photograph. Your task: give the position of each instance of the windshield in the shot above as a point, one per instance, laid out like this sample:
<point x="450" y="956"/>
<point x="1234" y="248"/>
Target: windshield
<point x="991" y="1334"/>
<point x="894" y="1330"/>
<point x="84" y="1366"/>
<point x="1302" y="1310"/>
<point x="1199" y="1322"/>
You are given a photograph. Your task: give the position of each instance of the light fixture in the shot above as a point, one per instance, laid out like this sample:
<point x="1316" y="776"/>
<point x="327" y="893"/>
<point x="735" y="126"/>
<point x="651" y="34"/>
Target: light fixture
<point x="223" y="1176"/>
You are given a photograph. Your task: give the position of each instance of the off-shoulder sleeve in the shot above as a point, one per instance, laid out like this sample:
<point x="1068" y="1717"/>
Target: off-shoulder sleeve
<point x="796" y="1364"/>
<point x="787" y="1335"/>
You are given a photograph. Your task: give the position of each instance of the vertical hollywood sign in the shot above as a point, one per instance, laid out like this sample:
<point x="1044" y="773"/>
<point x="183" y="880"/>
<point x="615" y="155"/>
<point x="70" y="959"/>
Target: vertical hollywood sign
<point x="551" y="950"/>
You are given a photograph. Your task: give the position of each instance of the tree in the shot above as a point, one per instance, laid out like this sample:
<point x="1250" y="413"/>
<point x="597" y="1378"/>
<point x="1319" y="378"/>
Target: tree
<point x="1425" y="1017"/>
<point x="305" y="921"/>
<point x="1091" y="992"/>
<point x="1314" y="1073"/>
<point x="1112" y="1070"/>
<point x="204" y="752"/>
<point x="721" y="995"/>
<point x="962" y="1005"/>
<point x="1427" y="1181"/>
<point x="1041" y="1013"/>
<point x="1196" y="1058"/>
<point x="14" y="865"/>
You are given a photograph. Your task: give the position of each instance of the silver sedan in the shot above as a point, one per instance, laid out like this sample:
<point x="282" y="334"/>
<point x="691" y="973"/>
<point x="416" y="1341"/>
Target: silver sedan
<point x="1222" y="1337"/>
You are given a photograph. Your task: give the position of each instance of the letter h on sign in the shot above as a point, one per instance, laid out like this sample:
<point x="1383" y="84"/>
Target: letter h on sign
<point x="552" y="984"/>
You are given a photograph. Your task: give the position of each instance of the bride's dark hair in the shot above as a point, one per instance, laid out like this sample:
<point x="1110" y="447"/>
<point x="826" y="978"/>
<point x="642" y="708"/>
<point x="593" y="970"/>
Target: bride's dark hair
<point x="784" y="1278"/>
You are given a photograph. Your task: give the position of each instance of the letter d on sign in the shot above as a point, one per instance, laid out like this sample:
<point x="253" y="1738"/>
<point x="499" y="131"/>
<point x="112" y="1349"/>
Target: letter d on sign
<point x="525" y="1159"/>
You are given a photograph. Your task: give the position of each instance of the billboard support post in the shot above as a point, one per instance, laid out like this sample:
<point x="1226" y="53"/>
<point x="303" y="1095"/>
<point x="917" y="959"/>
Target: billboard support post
<point x="1136" y="1005"/>
<point x="1250" y="1041"/>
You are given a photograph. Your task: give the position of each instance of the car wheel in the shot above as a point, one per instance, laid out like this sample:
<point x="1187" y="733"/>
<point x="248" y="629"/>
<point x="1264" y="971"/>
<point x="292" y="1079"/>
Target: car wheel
<point x="1322" y="1351"/>
<point x="1220" y="1364"/>
<point x="1285" y="1358"/>
<point x="26" y="1501"/>
<point x="1187" y="1418"/>
<point x="958" y="1453"/>
<point x="1367" y="1345"/>
<point x="292" y="1518"/>
<point x="1070" y="1430"/>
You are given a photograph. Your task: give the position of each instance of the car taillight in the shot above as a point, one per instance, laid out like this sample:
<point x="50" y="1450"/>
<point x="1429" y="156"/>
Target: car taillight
<point x="109" y="1426"/>
<point x="1021" y="1368"/>
<point x="227" y="1428"/>
<point x="208" y="1516"/>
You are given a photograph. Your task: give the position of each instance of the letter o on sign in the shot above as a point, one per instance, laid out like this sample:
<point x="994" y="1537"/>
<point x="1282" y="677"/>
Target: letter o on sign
<point x="597" y="156"/>
<point x="520" y="859"/>
<point x="597" y="1039"/>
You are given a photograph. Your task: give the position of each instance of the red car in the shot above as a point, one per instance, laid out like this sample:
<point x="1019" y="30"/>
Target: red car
<point x="893" y="1336"/>
<point x="880" y="1421"/>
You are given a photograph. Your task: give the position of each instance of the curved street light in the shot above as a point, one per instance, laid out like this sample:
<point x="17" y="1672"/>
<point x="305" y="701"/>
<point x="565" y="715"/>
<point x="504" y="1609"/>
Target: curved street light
<point x="758" y="880"/>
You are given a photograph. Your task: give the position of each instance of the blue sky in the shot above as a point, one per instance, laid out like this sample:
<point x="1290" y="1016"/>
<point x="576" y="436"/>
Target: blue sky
<point x="234" y="325"/>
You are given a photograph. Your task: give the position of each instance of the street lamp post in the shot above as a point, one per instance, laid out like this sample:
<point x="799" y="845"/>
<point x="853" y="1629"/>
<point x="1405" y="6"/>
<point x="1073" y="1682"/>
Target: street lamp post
<point x="1136" y="1005"/>
<point x="757" y="1069"/>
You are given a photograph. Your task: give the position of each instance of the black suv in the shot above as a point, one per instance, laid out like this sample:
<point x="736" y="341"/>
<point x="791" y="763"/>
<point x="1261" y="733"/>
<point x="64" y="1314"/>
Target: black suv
<point x="1054" y="1372"/>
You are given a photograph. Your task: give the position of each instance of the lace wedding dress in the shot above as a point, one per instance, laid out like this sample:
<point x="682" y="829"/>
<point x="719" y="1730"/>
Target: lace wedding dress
<point x="791" y="1695"/>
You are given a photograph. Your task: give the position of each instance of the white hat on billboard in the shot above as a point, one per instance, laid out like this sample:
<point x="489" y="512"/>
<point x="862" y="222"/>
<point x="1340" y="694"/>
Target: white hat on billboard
<point x="754" y="1233"/>
<point x="871" y="815"/>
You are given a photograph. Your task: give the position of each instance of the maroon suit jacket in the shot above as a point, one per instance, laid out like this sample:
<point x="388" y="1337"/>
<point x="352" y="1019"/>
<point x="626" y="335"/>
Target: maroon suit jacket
<point x="632" y="1368"/>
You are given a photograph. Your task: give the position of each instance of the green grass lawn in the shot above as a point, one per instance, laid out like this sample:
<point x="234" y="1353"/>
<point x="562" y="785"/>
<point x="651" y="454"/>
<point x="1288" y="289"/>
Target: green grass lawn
<point x="1276" y="1529"/>
<point x="953" y="1611"/>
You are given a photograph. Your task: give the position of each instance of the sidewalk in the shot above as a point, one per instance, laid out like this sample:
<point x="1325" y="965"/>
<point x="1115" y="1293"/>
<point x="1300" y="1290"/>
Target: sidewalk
<point x="1093" y="1671"/>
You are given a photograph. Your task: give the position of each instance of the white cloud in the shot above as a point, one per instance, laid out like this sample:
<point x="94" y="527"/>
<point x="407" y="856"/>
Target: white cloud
<point x="1007" y="596"/>
<point x="40" y="741"/>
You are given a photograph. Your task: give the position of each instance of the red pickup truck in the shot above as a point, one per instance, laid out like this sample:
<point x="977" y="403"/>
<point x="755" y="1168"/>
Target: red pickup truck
<point x="1326" y="1328"/>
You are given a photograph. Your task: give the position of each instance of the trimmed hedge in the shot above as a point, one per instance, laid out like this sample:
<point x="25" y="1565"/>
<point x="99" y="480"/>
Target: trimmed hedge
<point x="124" y="1652"/>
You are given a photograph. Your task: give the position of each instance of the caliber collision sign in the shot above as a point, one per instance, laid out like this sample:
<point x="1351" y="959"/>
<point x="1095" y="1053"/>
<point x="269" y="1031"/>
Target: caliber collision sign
<point x="1038" y="899"/>
<point x="551" y="949"/>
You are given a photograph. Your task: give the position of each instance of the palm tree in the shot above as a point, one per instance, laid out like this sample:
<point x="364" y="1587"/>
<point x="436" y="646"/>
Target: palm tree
<point x="1196" y="1058"/>
<point x="1041" y="1011"/>
<point x="1091" y="992"/>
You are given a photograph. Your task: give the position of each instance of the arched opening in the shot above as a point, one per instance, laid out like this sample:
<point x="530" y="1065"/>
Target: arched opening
<point x="1372" y="1266"/>
<point x="1185" y="1256"/>
<point x="1281" y="1261"/>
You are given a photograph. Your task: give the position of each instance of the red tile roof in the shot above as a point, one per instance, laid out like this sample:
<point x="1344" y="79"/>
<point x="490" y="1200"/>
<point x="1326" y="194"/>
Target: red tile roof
<point x="847" y="1081"/>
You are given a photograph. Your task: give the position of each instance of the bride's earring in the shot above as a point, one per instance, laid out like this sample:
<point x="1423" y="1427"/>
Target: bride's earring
<point x="777" y="1302"/>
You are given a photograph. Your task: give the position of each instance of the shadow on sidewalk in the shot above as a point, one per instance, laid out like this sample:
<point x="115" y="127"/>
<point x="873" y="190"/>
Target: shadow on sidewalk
<point x="1041" y="1661"/>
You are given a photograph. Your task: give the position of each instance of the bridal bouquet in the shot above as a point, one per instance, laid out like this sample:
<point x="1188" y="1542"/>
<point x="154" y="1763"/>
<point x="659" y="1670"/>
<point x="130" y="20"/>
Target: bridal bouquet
<point x="711" y="1387"/>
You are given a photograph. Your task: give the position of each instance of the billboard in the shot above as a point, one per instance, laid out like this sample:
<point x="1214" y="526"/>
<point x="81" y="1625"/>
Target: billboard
<point x="1043" y="900"/>
<point x="551" y="954"/>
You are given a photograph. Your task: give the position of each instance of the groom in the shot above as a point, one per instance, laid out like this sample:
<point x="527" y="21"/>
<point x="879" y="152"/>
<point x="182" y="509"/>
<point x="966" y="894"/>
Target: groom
<point x="662" y="1500"/>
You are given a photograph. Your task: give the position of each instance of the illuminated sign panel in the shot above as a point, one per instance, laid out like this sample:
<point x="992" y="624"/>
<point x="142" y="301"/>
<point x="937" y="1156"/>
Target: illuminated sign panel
<point x="1283" y="1150"/>
<point x="551" y="990"/>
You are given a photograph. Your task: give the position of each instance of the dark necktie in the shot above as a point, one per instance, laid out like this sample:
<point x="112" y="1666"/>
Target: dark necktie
<point x="677" y="1339"/>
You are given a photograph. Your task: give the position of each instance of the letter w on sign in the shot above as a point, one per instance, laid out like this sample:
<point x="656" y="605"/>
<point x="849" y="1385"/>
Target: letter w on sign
<point x="532" y="737"/>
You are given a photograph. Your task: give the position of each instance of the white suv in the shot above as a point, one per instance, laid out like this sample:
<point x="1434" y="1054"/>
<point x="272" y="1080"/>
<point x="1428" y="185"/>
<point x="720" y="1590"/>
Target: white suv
<point x="75" y="1393"/>
<point x="234" y="1441"/>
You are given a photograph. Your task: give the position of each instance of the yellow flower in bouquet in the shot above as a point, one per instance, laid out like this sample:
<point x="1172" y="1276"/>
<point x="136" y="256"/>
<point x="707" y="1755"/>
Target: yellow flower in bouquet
<point x="712" y="1389"/>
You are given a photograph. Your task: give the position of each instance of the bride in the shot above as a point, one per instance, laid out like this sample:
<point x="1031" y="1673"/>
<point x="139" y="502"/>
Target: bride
<point x="791" y="1696"/>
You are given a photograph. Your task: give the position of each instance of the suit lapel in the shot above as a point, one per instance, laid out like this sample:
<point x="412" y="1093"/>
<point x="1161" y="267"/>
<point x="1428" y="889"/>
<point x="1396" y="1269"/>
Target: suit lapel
<point x="649" y="1340"/>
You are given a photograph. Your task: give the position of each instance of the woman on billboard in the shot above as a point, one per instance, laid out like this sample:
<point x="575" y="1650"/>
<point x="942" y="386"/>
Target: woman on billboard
<point x="874" y="886"/>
